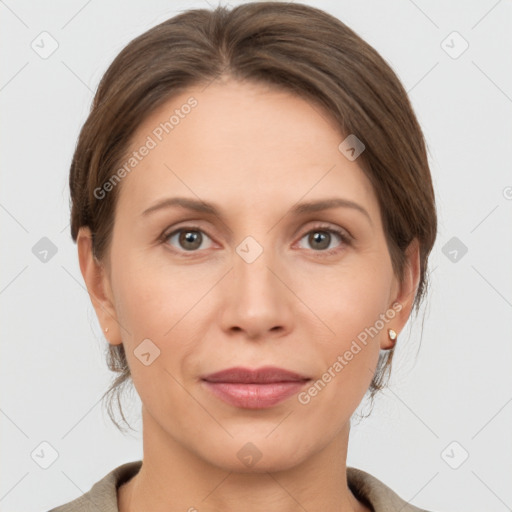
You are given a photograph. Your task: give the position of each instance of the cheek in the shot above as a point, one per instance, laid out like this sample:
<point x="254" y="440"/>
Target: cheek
<point x="348" y="298"/>
<point x="157" y="303"/>
<point x="150" y="294"/>
<point x="351" y="308"/>
<point x="351" y="305"/>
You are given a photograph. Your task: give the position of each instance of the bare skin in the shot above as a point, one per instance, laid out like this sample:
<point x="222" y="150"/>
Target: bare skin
<point x="255" y="152"/>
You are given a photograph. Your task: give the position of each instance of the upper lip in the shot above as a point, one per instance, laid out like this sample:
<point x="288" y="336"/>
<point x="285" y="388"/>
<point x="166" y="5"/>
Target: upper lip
<point x="265" y="374"/>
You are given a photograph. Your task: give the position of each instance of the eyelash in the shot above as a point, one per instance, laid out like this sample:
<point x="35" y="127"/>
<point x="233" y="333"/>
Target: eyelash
<point x="345" y="238"/>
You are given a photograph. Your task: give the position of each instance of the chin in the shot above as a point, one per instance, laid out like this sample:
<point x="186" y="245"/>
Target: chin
<point x="257" y="455"/>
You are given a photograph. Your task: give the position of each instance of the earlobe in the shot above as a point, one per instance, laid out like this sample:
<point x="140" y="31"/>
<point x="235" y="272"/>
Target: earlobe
<point x="98" y="287"/>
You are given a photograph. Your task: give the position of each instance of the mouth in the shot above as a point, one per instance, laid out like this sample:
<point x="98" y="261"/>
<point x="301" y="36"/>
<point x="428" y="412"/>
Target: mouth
<point x="254" y="389"/>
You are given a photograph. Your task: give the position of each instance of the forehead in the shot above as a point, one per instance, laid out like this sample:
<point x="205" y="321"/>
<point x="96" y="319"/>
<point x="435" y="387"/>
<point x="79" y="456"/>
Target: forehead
<point x="245" y="140"/>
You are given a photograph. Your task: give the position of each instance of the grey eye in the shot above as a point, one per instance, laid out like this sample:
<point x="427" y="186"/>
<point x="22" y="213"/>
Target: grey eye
<point x="320" y="239"/>
<point x="188" y="239"/>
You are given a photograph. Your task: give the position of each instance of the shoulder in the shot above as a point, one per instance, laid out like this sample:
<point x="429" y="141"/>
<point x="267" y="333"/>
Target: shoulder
<point x="373" y="492"/>
<point x="103" y="494"/>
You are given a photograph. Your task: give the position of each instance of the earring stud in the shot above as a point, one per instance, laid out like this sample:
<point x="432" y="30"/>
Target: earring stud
<point x="106" y="329"/>
<point x="392" y="336"/>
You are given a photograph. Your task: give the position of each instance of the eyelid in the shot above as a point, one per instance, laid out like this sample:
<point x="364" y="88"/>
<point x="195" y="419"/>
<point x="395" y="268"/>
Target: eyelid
<point x="322" y="225"/>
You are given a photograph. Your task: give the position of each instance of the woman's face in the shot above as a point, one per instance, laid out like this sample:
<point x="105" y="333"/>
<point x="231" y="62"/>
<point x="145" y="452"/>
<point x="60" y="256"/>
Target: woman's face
<point x="262" y="281"/>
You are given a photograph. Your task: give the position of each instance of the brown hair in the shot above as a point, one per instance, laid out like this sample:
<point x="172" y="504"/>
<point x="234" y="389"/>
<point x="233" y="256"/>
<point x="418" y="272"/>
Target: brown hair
<point x="292" y="46"/>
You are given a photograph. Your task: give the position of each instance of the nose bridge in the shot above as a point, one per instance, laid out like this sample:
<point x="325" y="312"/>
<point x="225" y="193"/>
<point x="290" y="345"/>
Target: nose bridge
<point x="252" y="263"/>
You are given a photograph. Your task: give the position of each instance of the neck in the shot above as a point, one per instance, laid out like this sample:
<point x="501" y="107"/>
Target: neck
<point x="174" y="479"/>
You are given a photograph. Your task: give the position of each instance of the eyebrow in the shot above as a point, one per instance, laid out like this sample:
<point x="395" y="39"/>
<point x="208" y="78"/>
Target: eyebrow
<point x="299" y="209"/>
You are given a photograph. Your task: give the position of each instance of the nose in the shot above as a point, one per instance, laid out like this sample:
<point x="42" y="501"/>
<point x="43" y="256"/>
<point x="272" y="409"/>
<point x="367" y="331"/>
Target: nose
<point x="257" y="301"/>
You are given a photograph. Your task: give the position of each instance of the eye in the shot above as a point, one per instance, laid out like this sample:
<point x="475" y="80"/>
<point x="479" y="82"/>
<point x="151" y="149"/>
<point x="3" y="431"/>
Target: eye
<point x="191" y="238"/>
<point x="188" y="238"/>
<point x="320" y="238"/>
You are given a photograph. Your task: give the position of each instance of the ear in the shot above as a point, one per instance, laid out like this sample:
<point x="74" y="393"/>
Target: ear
<point x="98" y="286"/>
<point x="403" y="294"/>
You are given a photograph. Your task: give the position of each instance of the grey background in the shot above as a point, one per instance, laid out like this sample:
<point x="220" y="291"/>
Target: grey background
<point x="454" y="387"/>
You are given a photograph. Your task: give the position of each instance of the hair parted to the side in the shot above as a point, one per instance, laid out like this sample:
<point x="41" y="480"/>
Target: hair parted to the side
<point x="291" y="46"/>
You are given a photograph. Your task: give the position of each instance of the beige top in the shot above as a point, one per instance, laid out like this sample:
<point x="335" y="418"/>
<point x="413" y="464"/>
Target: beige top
<point x="102" y="497"/>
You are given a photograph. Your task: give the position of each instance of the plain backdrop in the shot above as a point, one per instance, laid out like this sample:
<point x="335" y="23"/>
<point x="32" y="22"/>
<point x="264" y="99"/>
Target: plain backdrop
<point x="441" y="435"/>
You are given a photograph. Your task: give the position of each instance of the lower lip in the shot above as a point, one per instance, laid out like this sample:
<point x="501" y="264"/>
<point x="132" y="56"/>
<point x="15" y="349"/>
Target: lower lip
<point x="254" y="396"/>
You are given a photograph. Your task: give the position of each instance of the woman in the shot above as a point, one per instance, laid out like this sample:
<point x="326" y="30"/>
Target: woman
<point x="221" y="148"/>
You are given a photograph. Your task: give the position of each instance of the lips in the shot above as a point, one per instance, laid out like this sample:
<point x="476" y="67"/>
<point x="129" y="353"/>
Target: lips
<point x="263" y="375"/>
<point x="254" y="389"/>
